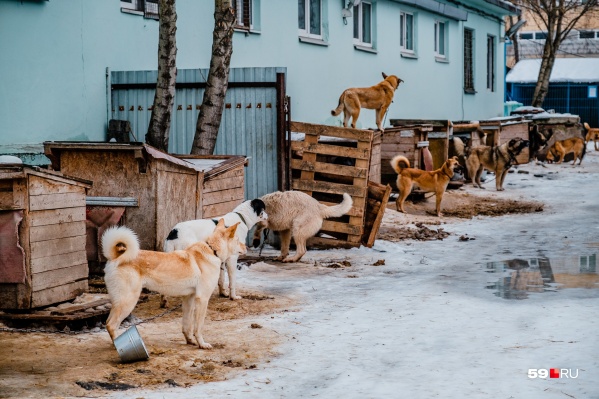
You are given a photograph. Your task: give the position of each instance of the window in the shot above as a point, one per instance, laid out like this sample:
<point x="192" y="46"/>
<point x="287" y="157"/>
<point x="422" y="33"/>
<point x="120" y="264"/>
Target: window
<point x="469" y="61"/>
<point x="147" y="8"/>
<point x="440" y="34"/>
<point x="243" y="13"/>
<point x="406" y="32"/>
<point x="310" y="18"/>
<point x="491" y="63"/>
<point x="526" y="36"/>
<point x="586" y="34"/>
<point x="363" y="24"/>
<point x="540" y="35"/>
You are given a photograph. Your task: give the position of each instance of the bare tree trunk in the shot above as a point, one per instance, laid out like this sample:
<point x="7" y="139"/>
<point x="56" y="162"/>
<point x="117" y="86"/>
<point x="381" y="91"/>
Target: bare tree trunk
<point x="516" y="42"/>
<point x="160" y="122"/>
<point x="218" y="79"/>
<point x="542" y="86"/>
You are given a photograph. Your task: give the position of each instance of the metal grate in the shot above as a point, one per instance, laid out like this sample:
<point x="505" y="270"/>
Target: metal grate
<point x="570" y="98"/>
<point x="243" y="13"/>
<point x="469" y="61"/>
<point x="151" y="9"/>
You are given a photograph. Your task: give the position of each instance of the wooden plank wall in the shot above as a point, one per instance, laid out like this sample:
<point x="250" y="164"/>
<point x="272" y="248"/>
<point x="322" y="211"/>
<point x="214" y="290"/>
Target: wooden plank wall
<point x="176" y="191"/>
<point x="222" y="193"/>
<point x="321" y="179"/>
<point x="118" y="174"/>
<point x="399" y="141"/>
<point x="58" y="261"/>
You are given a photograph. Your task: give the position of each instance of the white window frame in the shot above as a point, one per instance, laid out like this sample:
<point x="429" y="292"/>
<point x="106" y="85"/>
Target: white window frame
<point x="403" y="37"/>
<point x="305" y="32"/>
<point x="441" y="26"/>
<point x="359" y="16"/>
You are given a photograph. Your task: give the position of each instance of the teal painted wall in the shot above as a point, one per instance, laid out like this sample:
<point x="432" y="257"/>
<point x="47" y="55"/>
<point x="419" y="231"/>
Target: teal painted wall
<point x="55" y="55"/>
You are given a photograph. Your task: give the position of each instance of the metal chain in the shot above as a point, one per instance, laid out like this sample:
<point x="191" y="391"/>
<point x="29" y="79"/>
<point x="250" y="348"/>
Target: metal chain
<point x="76" y="332"/>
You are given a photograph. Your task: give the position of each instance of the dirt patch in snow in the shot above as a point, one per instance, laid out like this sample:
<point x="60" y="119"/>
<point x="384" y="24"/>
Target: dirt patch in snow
<point x="460" y="204"/>
<point x="42" y="365"/>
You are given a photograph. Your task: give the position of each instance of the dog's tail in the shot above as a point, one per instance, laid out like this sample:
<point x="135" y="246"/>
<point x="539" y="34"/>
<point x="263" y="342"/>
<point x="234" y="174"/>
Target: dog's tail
<point x="399" y="162"/>
<point x="586" y="126"/>
<point x="169" y="242"/>
<point x="339" y="108"/>
<point x="120" y="243"/>
<point x="337" y="210"/>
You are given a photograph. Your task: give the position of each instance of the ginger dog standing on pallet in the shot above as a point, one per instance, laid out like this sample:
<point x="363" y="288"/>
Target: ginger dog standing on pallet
<point x="434" y="181"/>
<point x="377" y="97"/>
<point x="192" y="274"/>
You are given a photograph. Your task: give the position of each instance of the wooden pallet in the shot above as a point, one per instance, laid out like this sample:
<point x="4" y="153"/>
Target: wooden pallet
<point x="325" y="169"/>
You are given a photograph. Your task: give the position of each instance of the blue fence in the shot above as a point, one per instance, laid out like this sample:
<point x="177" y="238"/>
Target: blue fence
<point x="570" y="98"/>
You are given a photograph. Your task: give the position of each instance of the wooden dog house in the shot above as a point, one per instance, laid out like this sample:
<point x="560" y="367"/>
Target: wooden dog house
<point x="148" y="190"/>
<point x="423" y="142"/>
<point x="42" y="237"/>
<point x="328" y="161"/>
<point x="501" y="130"/>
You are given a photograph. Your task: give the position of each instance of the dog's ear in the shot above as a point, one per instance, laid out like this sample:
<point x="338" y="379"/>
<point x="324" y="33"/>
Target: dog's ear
<point x="221" y="223"/>
<point x="384" y="75"/>
<point x="231" y="230"/>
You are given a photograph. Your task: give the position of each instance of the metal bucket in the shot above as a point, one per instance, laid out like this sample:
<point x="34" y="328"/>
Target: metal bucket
<point x="130" y="346"/>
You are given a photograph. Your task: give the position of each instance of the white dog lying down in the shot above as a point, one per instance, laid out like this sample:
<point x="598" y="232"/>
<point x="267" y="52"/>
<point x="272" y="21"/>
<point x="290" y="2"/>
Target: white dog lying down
<point x="192" y="273"/>
<point x="294" y="213"/>
<point x="186" y="233"/>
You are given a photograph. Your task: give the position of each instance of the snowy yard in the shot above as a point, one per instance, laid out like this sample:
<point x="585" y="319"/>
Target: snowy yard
<point x="466" y="316"/>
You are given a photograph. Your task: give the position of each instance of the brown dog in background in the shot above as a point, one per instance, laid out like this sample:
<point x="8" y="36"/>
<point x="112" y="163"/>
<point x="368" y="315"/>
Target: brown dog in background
<point x="377" y="97"/>
<point x="434" y="181"/>
<point x="592" y="134"/>
<point x="559" y="149"/>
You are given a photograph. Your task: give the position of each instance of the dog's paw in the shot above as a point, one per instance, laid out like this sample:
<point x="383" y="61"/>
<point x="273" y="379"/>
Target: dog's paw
<point x="235" y="297"/>
<point x="205" y="345"/>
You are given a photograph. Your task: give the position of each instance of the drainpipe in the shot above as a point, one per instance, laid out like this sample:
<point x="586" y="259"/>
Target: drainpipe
<point x="108" y="97"/>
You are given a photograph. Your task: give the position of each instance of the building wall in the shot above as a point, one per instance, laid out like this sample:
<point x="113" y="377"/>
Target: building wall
<point x="54" y="65"/>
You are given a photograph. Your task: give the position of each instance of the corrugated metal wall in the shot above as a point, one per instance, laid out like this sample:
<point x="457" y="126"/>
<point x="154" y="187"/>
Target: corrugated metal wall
<point x="248" y="126"/>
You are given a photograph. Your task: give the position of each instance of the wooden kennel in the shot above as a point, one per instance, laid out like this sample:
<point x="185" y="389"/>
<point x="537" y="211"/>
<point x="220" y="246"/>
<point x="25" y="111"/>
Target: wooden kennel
<point x="42" y="237"/>
<point x="148" y="190"/>
<point x="423" y="142"/>
<point x="502" y="130"/>
<point x="327" y="161"/>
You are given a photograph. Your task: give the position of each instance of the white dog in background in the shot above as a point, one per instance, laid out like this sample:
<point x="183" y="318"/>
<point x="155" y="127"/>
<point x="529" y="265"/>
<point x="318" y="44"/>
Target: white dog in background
<point x="187" y="233"/>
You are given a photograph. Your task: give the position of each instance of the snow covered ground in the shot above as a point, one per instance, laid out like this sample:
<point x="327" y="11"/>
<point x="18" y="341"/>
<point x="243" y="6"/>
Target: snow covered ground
<point x="425" y="325"/>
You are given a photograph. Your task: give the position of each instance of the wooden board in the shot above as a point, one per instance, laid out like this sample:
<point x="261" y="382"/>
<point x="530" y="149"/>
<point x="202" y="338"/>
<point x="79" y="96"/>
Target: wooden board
<point x="47" y="263"/>
<point x="57" y="216"/>
<point x="58" y="294"/>
<point x="54" y="231"/>
<point x="378" y="197"/>
<point x="57" y="246"/>
<point x="58" y="277"/>
<point x="210" y="211"/>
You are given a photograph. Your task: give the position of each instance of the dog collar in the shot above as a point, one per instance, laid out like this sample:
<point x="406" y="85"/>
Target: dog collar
<point x="238" y="214"/>
<point x="242" y="219"/>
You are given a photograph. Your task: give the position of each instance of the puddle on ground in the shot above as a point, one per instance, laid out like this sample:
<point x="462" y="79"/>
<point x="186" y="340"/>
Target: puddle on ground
<point x="518" y="278"/>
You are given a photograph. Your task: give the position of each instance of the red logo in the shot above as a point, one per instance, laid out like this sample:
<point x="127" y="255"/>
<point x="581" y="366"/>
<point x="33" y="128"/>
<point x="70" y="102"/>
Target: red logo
<point x="554" y="373"/>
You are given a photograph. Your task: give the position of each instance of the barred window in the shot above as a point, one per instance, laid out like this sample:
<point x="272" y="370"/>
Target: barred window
<point x="469" y="61"/>
<point x="147" y="8"/>
<point x="243" y="12"/>
<point x="491" y="63"/>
